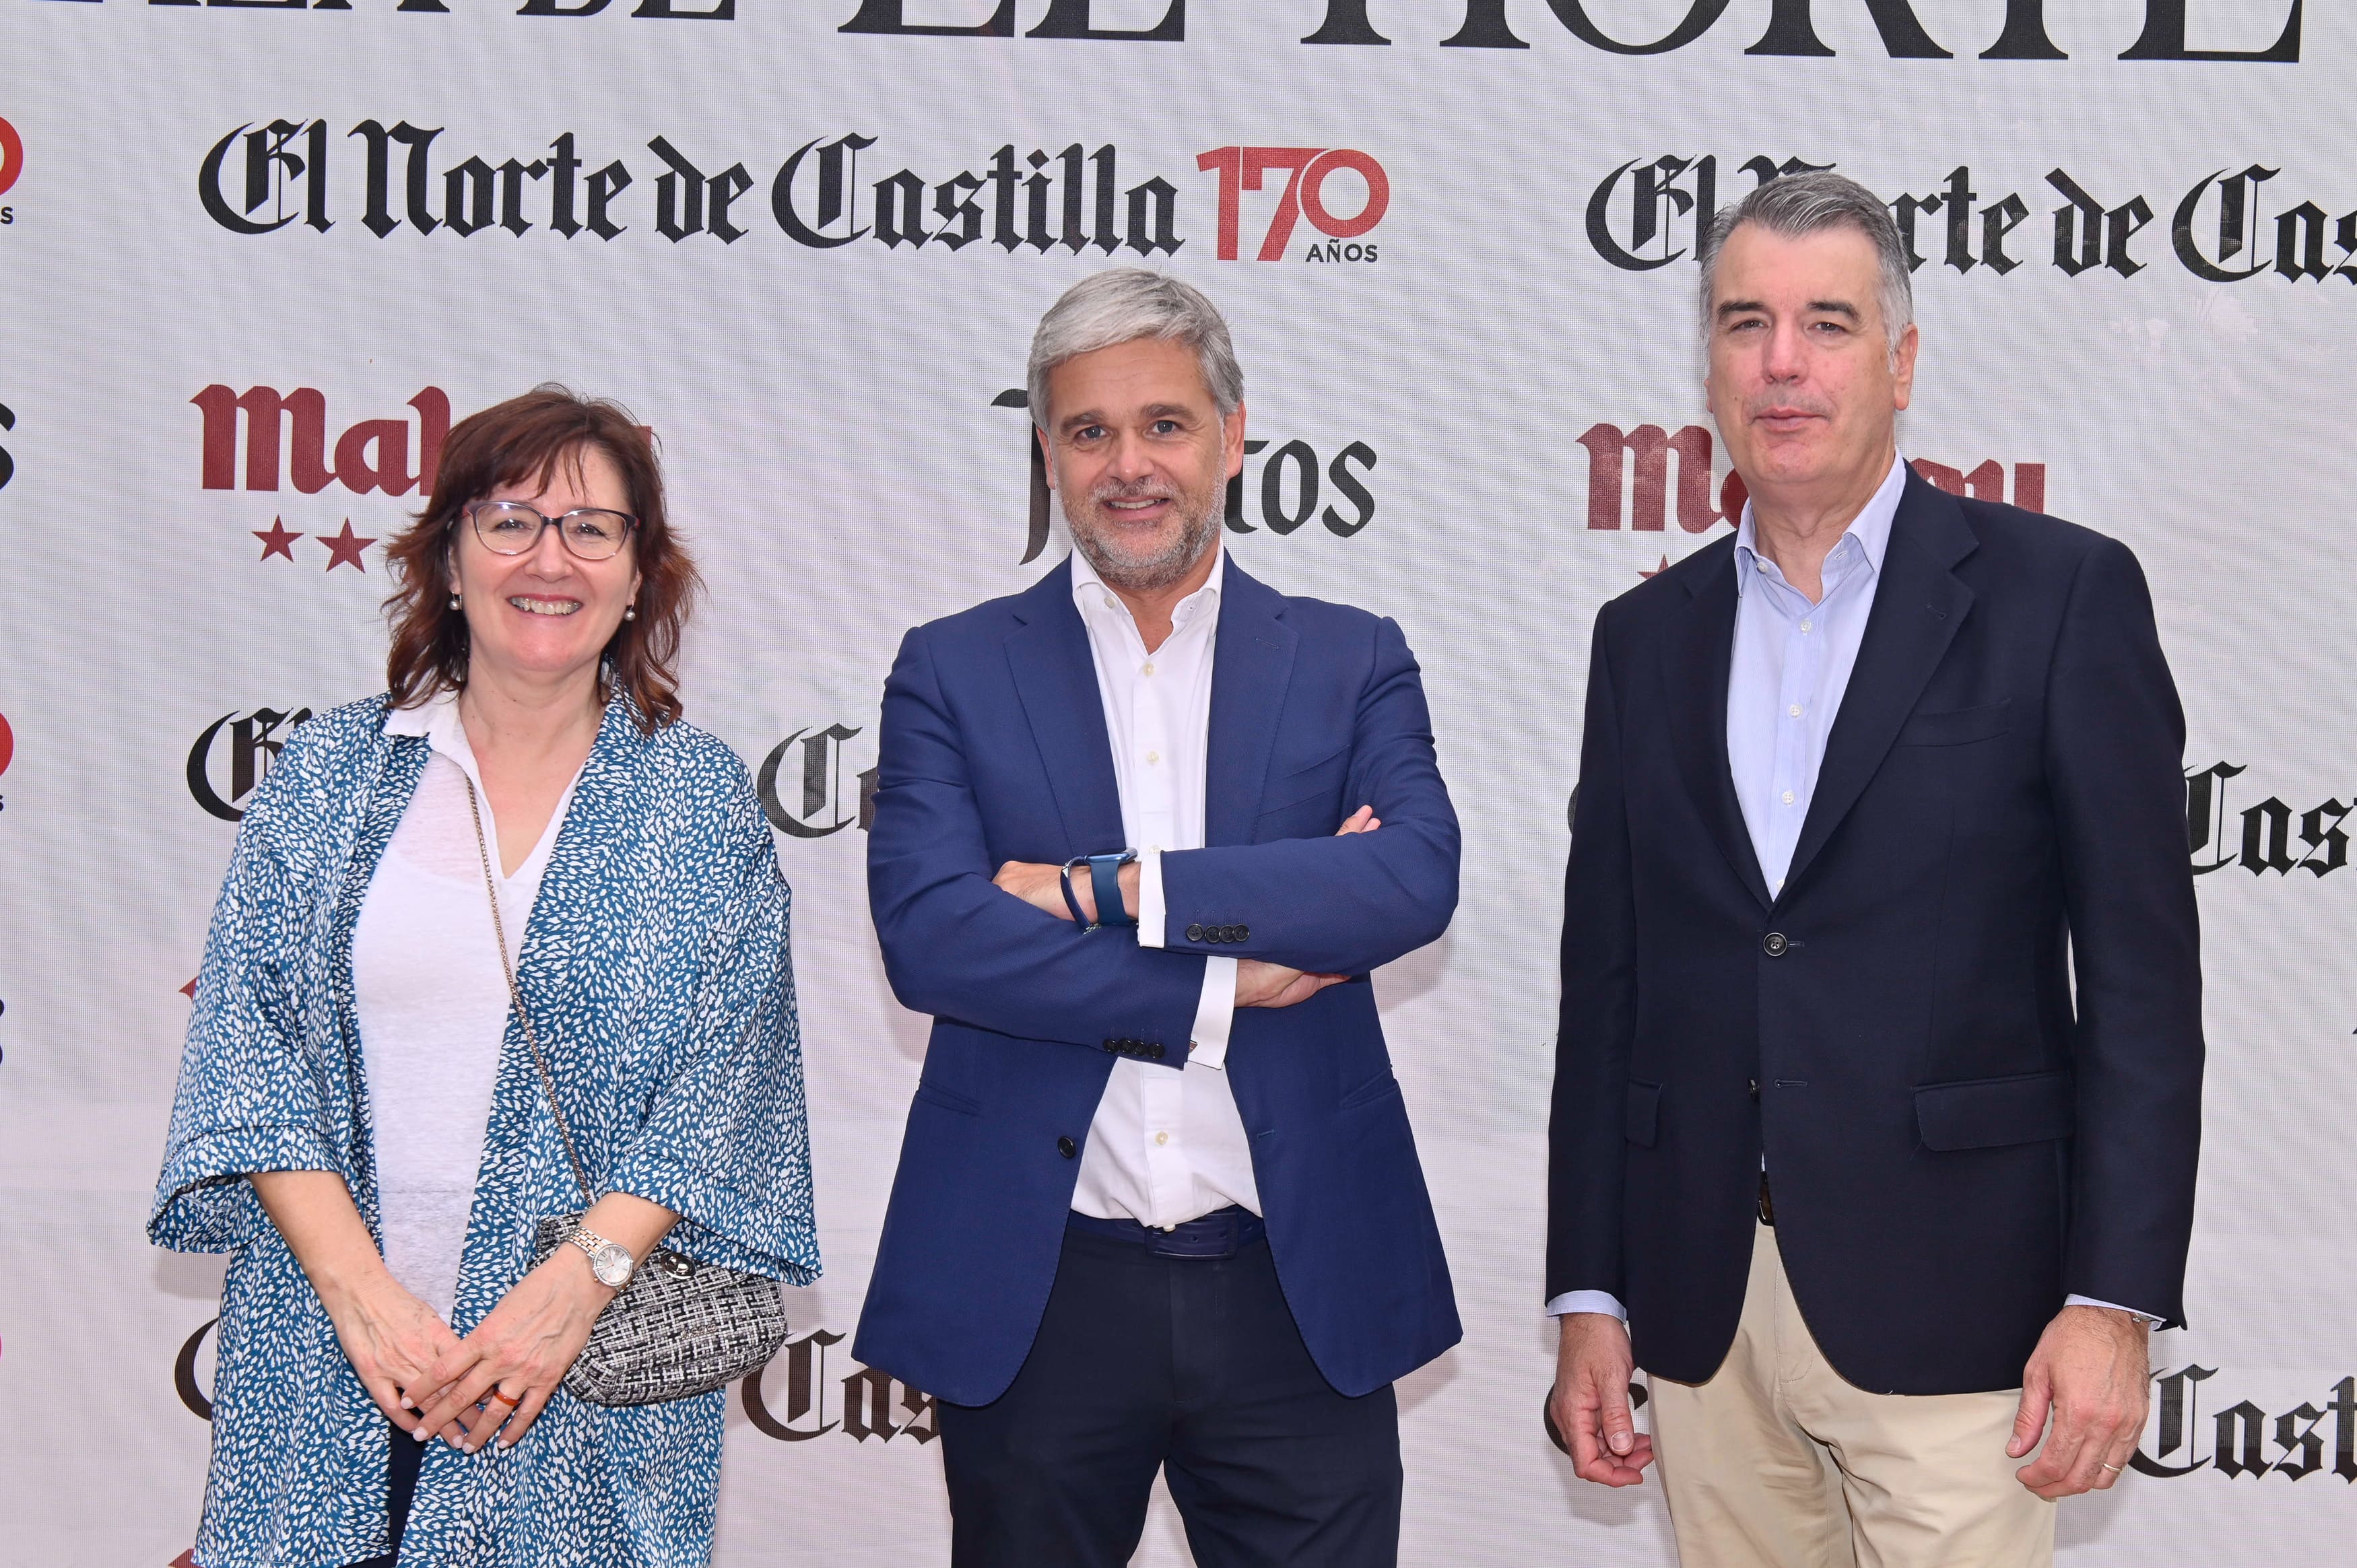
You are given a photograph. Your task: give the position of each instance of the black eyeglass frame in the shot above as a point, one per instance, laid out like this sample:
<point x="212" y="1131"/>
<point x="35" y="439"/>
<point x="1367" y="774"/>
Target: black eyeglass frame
<point x="472" y="512"/>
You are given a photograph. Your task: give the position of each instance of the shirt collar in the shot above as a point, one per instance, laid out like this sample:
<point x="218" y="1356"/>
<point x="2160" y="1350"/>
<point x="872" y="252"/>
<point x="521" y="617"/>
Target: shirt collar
<point x="1089" y="589"/>
<point x="436" y="719"/>
<point x="1870" y="528"/>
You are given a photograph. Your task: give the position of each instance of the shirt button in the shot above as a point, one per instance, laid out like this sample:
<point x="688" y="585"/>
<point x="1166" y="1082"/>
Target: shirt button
<point x="1152" y="758"/>
<point x="1788" y="797"/>
<point x="1148" y="668"/>
<point x="1795" y="709"/>
<point x="1805" y="625"/>
<point x="1109" y="604"/>
<point x="1161" y="1138"/>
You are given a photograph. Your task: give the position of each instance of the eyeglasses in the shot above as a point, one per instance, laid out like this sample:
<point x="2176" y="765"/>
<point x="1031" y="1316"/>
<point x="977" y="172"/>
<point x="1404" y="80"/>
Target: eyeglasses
<point x="512" y="528"/>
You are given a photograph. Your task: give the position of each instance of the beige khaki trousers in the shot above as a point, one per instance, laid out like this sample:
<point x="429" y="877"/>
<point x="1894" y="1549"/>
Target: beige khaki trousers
<point x="1777" y="1462"/>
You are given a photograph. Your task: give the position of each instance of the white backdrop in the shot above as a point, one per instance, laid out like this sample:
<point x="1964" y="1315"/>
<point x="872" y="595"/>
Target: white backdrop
<point x="826" y="403"/>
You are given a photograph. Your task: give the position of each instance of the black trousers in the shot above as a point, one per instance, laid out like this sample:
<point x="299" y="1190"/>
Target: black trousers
<point x="1188" y="1365"/>
<point x="401" y="1489"/>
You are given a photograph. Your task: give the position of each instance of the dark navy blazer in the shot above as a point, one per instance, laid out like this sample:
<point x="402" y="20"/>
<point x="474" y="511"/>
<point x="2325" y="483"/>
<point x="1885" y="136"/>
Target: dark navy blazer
<point x="994" y="749"/>
<point x="1955" y="1143"/>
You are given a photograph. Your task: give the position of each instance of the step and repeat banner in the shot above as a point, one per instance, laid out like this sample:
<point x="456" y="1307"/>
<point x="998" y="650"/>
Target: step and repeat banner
<point x="257" y="255"/>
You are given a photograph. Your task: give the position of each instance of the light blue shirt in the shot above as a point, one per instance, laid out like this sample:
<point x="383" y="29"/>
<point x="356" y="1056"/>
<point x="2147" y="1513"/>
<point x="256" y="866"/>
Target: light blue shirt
<point x="1791" y="664"/>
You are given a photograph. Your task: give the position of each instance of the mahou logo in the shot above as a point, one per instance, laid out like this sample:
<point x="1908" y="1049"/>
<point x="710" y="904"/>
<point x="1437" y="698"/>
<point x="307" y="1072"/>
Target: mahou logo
<point x="1628" y="478"/>
<point x="371" y="455"/>
<point x="1307" y="170"/>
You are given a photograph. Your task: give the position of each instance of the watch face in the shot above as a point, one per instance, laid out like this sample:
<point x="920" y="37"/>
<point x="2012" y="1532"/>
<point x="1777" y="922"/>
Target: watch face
<point x="611" y="1264"/>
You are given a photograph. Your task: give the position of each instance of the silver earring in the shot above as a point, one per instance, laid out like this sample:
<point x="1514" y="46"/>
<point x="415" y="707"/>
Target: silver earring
<point x="453" y="601"/>
<point x="630" y="612"/>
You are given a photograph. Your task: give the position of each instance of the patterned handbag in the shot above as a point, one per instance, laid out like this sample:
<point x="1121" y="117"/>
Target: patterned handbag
<point x="681" y="1327"/>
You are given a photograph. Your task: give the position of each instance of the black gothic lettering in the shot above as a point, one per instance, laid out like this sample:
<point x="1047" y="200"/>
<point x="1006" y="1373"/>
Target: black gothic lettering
<point x="2236" y="228"/>
<point x="2087" y="236"/>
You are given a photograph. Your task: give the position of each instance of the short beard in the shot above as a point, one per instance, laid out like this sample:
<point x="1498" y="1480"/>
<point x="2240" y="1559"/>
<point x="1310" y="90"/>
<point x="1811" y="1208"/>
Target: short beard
<point x="1198" y="527"/>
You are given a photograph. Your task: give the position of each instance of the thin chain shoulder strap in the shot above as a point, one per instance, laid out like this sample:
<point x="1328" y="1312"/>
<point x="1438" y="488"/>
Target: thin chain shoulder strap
<point x="531" y="1038"/>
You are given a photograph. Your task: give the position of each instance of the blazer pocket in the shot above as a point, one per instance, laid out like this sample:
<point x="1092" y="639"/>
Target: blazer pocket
<point x="948" y="1098"/>
<point x="1644" y="1113"/>
<point x="1959" y="727"/>
<point x="1991" y="1112"/>
<point x="1322" y="777"/>
<point x="1383" y="1087"/>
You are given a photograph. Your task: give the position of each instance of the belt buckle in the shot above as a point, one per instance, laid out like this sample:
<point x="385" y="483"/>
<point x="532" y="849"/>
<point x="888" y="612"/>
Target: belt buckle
<point x="1207" y="1237"/>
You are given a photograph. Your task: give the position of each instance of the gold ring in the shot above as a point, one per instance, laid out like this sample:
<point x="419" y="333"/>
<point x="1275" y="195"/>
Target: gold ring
<point x="2114" y="1469"/>
<point x="502" y="1397"/>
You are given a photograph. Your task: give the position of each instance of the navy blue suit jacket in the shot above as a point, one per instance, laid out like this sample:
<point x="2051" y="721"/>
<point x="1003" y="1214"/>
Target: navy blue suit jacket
<point x="1955" y="1143"/>
<point x="994" y="749"/>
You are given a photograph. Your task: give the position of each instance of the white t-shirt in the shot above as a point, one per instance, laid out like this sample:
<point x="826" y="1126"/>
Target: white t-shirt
<point x="432" y="1004"/>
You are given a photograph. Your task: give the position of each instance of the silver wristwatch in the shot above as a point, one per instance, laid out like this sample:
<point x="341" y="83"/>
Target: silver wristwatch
<point x="610" y="1261"/>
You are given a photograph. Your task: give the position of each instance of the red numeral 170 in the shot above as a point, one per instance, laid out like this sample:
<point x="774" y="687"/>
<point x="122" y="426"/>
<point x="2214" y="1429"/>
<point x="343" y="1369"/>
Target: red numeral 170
<point x="1241" y="169"/>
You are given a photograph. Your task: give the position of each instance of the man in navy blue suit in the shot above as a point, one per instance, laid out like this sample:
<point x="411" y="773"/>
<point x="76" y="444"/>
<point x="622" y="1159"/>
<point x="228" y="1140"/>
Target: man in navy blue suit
<point x="1141" y="833"/>
<point x="1878" y="1090"/>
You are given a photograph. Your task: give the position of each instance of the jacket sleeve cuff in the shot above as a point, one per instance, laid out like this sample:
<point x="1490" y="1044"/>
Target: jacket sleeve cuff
<point x="1150" y="917"/>
<point x="203" y="1202"/>
<point x="1602" y="1301"/>
<point x="716" y="1224"/>
<point x="2133" y="1311"/>
<point x="1215" y="1015"/>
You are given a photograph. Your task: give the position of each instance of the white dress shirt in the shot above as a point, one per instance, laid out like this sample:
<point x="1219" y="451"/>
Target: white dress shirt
<point x="1166" y="1146"/>
<point x="1790" y="668"/>
<point x="432" y="1003"/>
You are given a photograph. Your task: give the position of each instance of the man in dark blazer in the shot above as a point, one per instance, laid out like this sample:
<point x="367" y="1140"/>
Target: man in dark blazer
<point x="1877" y="1086"/>
<point x="1141" y="832"/>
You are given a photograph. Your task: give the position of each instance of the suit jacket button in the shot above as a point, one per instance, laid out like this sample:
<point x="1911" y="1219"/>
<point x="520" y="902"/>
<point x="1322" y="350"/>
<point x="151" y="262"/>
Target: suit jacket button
<point x="1195" y="932"/>
<point x="1775" y="944"/>
<point x="1244" y="933"/>
<point x="1227" y="933"/>
<point x="1067" y="1148"/>
<point x="1112" y="1044"/>
<point x="1154" y="1050"/>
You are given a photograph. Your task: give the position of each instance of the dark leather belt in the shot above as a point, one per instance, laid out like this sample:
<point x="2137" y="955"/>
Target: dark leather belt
<point x="1766" y="1203"/>
<point x="1221" y="1234"/>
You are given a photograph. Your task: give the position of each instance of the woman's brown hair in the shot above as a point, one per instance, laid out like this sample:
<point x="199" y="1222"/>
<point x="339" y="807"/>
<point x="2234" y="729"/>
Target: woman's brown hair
<point x="522" y="441"/>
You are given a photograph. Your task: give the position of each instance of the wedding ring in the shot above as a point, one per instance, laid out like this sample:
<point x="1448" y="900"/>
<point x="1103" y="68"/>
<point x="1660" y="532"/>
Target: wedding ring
<point x="2114" y="1469"/>
<point x="502" y="1396"/>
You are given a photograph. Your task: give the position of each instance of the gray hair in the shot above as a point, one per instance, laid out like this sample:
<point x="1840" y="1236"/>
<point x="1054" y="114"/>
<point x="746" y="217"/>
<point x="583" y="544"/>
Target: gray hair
<point x="1809" y="203"/>
<point x="1122" y="305"/>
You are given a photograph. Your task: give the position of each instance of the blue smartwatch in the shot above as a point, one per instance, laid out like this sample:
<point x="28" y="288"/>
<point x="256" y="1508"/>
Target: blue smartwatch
<point x="1104" y="881"/>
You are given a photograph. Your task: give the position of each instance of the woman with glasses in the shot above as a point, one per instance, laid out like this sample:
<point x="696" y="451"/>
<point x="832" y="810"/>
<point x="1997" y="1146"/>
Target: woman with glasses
<point x="361" y="1122"/>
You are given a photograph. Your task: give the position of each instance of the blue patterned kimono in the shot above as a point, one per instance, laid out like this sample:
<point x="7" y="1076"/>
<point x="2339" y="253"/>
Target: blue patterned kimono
<point x="657" y="971"/>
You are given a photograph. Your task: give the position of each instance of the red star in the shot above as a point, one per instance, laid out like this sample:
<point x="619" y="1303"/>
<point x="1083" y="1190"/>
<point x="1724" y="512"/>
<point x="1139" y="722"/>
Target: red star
<point x="1656" y="570"/>
<point x="279" y="541"/>
<point x="344" y="549"/>
<point x="190" y="990"/>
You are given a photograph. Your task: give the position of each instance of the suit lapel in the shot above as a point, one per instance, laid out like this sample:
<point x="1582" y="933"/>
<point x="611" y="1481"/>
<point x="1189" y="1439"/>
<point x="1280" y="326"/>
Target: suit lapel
<point x="1918" y="606"/>
<point x="1695" y="670"/>
<point x="1251" y="667"/>
<point x="1056" y="678"/>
